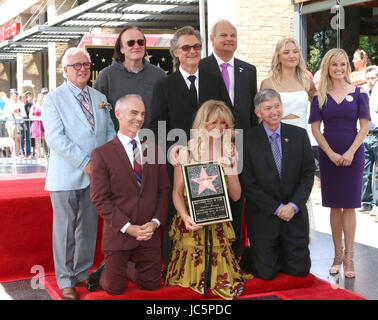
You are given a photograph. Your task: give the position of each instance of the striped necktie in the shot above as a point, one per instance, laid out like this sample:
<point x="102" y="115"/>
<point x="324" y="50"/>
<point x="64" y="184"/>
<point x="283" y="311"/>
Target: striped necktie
<point x="276" y="151"/>
<point x="137" y="162"/>
<point x="87" y="108"/>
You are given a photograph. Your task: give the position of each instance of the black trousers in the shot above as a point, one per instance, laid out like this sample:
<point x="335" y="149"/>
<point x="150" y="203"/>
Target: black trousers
<point x="237" y="209"/>
<point x="277" y="245"/>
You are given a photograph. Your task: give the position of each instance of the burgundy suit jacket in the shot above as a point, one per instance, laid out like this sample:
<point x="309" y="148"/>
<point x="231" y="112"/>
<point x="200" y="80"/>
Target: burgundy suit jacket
<point x="118" y="199"/>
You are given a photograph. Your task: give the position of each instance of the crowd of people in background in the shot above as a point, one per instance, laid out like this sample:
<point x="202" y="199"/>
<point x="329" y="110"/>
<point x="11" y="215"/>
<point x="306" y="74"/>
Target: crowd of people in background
<point x="21" y="128"/>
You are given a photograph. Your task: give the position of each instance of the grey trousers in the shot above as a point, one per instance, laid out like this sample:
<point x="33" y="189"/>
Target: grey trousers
<point x="74" y="235"/>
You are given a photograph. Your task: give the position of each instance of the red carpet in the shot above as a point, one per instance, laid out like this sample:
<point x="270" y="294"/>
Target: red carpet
<point x="26" y="242"/>
<point x="283" y="286"/>
<point x="252" y="286"/>
<point x="26" y="229"/>
<point x="319" y="290"/>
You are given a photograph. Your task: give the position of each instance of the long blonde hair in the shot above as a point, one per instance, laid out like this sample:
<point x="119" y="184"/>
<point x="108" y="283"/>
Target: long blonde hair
<point x="276" y="67"/>
<point x="325" y="81"/>
<point x="206" y="114"/>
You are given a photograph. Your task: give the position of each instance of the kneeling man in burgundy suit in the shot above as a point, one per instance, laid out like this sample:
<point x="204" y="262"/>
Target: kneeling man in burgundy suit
<point x="130" y="190"/>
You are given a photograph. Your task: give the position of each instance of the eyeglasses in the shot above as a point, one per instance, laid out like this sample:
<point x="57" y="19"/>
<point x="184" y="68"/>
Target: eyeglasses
<point x="187" y="47"/>
<point x="140" y="42"/>
<point x="77" y="66"/>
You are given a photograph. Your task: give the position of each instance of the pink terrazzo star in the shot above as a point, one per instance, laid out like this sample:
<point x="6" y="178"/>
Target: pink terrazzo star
<point x="205" y="181"/>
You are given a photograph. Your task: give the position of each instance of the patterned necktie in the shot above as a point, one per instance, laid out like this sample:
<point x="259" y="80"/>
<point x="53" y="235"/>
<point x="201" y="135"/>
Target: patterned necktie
<point x="225" y="75"/>
<point x="137" y="162"/>
<point x="193" y="90"/>
<point x="87" y="108"/>
<point x="276" y="151"/>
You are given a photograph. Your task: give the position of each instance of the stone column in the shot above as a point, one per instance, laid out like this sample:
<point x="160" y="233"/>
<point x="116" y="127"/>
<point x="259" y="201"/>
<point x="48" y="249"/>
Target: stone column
<point x="20" y="72"/>
<point x="51" y="49"/>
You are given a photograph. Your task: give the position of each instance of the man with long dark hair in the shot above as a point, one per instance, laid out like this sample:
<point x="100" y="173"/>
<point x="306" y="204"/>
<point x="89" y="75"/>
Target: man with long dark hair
<point x="129" y="72"/>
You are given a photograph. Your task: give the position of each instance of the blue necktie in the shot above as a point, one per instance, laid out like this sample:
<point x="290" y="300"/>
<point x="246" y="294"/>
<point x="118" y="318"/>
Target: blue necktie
<point x="276" y="151"/>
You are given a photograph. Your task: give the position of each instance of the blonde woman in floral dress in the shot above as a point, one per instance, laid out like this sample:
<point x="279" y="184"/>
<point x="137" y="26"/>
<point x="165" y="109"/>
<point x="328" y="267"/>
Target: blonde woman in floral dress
<point x="187" y="264"/>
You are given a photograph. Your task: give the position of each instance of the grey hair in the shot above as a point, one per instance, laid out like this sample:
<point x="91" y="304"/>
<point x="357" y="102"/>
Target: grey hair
<point x="121" y="101"/>
<point x="187" y="30"/>
<point x="214" y="26"/>
<point x="370" y="69"/>
<point x="71" y="52"/>
<point x="265" y="95"/>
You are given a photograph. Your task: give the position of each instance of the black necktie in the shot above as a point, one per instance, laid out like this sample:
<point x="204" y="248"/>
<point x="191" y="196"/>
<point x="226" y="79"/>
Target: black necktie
<point x="193" y="90"/>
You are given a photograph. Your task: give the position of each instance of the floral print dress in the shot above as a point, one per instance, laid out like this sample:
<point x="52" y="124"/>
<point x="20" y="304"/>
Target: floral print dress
<point x="187" y="264"/>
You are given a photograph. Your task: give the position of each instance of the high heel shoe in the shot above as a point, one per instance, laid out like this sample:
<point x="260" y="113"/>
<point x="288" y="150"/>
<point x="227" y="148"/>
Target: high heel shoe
<point x="337" y="261"/>
<point x="349" y="265"/>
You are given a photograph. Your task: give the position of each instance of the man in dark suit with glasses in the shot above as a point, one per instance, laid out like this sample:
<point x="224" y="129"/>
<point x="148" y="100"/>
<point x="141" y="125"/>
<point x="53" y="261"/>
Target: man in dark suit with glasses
<point x="177" y="98"/>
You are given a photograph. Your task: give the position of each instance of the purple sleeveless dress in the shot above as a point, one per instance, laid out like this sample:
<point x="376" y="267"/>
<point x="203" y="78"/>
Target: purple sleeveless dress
<point x="341" y="187"/>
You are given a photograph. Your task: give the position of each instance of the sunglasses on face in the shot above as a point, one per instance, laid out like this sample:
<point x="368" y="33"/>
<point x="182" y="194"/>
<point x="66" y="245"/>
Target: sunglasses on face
<point x="187" y="48"/>
<point x="77" y="66"/>
<point x="131" y="43"/>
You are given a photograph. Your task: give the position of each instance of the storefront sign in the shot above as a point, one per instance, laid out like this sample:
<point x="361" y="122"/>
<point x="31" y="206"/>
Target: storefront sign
<point x="8" y="31"/>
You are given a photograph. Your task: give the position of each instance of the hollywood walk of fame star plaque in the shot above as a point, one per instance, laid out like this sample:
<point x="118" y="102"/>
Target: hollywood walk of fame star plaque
<point x="206" y="193"/>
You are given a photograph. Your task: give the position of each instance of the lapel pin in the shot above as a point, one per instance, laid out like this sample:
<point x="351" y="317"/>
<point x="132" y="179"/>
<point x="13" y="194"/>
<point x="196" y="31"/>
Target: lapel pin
<point x="241" y="69"/>
<point x="286" y="140"/>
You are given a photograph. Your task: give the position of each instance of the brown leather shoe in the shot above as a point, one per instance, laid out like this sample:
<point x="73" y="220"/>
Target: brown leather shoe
<point x="69" y="294"/>
<point x="83" y="283"/>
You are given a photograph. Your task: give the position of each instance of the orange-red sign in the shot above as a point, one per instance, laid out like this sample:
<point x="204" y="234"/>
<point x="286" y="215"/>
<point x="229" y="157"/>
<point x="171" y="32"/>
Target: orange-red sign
<point x="8" y="31"/>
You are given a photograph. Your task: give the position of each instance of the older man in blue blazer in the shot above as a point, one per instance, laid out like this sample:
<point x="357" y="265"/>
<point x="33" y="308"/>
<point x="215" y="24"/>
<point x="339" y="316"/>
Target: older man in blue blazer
<point x="75" y="122"/>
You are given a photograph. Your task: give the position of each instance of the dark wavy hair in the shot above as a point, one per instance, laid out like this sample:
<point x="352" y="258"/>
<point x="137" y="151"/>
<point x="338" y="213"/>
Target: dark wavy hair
<point x="118" y="55"/>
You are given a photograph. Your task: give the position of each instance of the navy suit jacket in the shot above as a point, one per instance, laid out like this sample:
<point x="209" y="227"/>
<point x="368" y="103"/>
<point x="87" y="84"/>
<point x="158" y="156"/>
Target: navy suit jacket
<point x="262" y="186"/>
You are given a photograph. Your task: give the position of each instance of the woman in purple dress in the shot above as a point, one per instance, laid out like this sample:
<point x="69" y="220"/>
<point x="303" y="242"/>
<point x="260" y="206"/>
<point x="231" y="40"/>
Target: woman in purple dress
<point x="341" y="155"/>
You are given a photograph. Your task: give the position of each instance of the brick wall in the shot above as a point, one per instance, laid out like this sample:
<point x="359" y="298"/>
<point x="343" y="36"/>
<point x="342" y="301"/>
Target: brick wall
<point x="261" y="23"/>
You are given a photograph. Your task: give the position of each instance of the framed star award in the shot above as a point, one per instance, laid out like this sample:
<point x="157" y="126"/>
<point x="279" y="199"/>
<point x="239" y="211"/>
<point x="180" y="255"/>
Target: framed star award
<point x="206" y="193"/>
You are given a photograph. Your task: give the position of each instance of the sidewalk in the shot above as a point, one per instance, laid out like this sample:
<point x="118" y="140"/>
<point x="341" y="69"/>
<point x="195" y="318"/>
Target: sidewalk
<point x="365" y="251"/>
<point x="366" y="231"/>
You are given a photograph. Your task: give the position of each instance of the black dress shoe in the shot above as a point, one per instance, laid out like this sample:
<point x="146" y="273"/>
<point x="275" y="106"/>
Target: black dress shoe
<point x="94" y="278"/>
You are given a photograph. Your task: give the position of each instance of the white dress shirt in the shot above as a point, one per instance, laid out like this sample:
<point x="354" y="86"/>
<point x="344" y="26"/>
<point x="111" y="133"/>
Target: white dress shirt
<point x="188" y="83"/>
<point x="231" y="74"/>
<point x="126" y="143"/>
